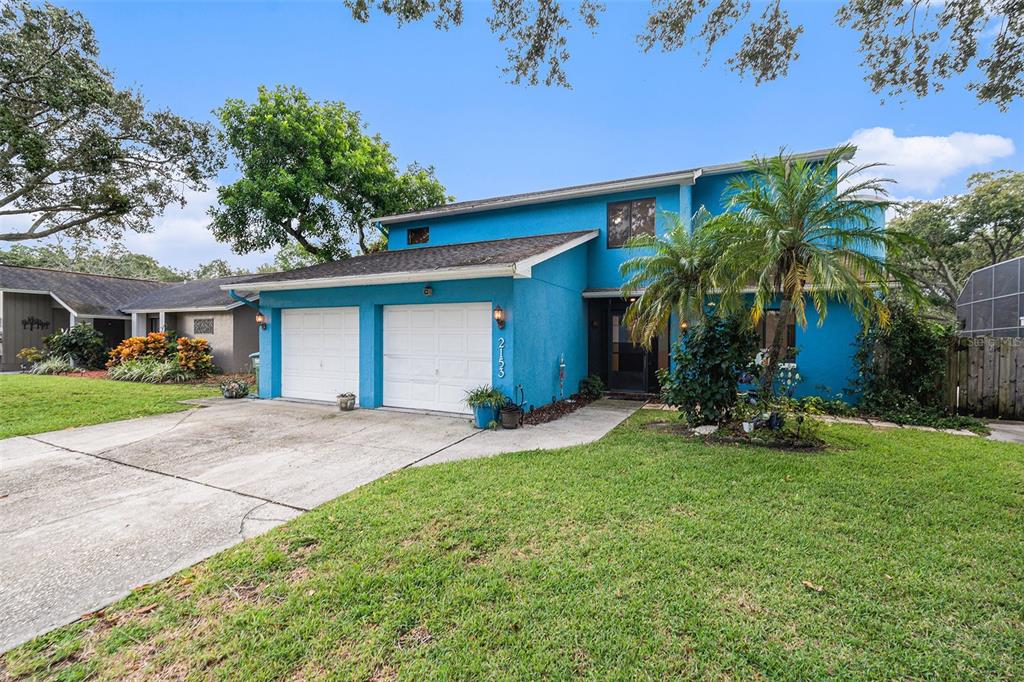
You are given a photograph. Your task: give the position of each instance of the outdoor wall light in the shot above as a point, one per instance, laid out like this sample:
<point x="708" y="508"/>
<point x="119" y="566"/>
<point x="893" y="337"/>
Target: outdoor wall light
<point x="428" y="290"/>
<point x="261" y="320"/>
<point x="499" y="317"/>
<point x="684" y="325"/>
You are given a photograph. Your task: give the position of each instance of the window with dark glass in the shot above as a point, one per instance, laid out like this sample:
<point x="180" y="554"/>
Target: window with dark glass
<point x="628" y="219"/>
<point x="766" y="332"/>
<point x="417" y="235"/>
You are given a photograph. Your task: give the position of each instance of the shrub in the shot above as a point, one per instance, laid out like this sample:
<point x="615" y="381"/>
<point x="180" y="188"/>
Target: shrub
<point x="82" y="345"/>
<point x="902" y="367"/>
<point x="150" y="370"/>
<point x="707" y="363"/>
<point x="30" y="355"/>
<point x="193" y="356"/>
<point x="52" y="365"/>
<point x="591" y="387"/>
<point x="152" y="345"/>
<point x="906" y="358"/>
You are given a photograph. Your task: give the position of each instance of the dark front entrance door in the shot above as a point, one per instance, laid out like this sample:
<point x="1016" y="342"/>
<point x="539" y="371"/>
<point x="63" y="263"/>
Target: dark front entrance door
<point x="623" y="365"/>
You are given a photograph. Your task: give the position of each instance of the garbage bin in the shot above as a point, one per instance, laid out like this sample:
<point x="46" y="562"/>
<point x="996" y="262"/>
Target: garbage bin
<point x="254" y="360"/>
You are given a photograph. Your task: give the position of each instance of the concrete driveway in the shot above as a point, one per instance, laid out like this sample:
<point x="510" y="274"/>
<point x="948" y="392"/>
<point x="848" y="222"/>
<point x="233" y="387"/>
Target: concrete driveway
<point x="87" y="514"/>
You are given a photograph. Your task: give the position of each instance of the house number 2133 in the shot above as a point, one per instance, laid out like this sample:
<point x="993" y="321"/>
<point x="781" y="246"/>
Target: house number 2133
<point x="501" y="357"/>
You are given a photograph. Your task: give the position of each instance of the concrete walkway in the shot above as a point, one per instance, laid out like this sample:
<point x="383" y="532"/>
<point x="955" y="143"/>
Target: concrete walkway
<point x="87" y="514"/>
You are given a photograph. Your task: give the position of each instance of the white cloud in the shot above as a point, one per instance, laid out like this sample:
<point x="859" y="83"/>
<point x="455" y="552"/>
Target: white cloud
<point x="922" y="163"/>
<point x="181" y="238"/>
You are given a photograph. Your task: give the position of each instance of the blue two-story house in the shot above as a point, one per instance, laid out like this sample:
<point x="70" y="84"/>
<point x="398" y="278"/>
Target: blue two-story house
<point x="521" y="292"/>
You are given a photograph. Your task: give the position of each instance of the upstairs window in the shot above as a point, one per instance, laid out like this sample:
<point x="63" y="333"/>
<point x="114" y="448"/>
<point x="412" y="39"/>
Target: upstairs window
<point x="417" y="235"/>
<point x="628" y="219"/>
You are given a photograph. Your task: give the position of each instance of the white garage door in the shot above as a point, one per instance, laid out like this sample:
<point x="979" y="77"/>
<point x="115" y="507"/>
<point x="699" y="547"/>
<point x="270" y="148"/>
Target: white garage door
<point x="433" y="354"/>
<point x="319" y="352"/>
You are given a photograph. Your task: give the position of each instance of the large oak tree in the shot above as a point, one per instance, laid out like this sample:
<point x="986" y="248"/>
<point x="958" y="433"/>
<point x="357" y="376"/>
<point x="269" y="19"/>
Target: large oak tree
<point x="907" y="46"/>
<point x="310" y="174"/>
<point x="78" y="155"/>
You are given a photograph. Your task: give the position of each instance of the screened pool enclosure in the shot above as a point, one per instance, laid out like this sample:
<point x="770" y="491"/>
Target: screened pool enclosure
<point x="992" y="302"/>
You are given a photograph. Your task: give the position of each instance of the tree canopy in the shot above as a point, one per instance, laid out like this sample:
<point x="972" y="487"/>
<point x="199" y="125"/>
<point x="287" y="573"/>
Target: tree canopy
<point x="77" y="155"/>
<point x="83" y="256"/>
<point x="311" y="175"/>
<point x="958" y="234"/>
<point x="907" y="46"/>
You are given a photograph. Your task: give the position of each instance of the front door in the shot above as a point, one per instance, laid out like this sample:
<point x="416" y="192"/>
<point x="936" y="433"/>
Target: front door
<point x="630" y="366"/>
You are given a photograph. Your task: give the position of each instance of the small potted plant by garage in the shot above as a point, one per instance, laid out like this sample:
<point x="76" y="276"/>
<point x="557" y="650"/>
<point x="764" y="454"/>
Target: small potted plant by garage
<point x="485" y="401"/>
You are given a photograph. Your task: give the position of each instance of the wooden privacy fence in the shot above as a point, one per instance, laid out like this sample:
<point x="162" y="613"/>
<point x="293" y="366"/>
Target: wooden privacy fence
<point x="985" y="377"/>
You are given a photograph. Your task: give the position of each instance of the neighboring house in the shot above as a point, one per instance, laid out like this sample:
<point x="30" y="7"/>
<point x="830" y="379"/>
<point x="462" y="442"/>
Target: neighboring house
<point x="992" y="301"/>
<point x="36" y="302"/>
<point x="201" y="309"/>
<point x="518" y="291"/>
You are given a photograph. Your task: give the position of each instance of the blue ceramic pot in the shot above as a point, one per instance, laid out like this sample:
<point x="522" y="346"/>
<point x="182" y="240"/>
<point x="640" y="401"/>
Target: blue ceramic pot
<point x="483" y="415"/>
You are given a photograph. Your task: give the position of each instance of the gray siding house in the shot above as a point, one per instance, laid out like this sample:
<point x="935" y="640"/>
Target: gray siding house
<point x="36" y="302"/>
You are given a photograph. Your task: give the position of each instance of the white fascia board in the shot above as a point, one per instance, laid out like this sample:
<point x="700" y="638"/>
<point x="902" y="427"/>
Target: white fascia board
<point x="524" y="268"/>
<point x="680" y="178"/>
<point x="441" y="275"/>
<point x="200" y="309"/>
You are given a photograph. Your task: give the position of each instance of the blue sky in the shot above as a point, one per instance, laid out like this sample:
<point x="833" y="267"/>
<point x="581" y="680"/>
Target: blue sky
<point x="440" y="99"/>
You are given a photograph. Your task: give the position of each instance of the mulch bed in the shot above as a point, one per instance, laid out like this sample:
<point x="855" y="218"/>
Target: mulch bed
<point x="552" y="411"/>
<point x="88" y="374"/>
<point x="733" y="434"/>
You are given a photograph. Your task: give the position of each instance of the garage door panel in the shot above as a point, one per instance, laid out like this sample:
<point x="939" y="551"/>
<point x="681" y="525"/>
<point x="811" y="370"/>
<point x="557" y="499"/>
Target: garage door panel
<point x="478" y="345"/>
<point x="434" y="353"/>
<point x="320" y="353"/>
<point x="422" y="319"/>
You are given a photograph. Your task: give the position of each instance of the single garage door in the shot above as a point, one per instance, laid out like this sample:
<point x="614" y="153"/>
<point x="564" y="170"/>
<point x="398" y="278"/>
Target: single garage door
<point x="433" y="354"/>
<point x="319" y="352"/>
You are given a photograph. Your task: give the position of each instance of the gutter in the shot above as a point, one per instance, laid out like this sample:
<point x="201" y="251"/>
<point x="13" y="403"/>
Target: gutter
<point x="243" y="300"/>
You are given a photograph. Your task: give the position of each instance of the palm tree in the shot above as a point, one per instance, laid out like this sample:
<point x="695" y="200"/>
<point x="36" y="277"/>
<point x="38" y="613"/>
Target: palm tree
<point x="798" y="230"/>
<point x="674" y="275"/>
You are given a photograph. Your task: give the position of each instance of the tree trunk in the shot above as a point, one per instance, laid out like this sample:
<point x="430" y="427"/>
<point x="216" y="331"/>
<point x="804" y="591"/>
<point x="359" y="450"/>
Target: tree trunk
<point x="301" y="239"/>
<point x="775" y="349"/>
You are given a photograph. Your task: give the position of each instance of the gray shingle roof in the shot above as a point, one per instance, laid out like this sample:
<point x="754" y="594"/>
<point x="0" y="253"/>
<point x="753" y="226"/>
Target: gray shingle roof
<point x="200" y="293"/>
<point x="86" y="294"/>
<point x="426" y="258"/>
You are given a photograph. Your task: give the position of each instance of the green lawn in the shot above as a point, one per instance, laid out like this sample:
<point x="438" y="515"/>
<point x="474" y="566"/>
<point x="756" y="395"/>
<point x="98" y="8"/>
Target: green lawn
<point x="639" y="556"/>
<point x="35" y="404"/>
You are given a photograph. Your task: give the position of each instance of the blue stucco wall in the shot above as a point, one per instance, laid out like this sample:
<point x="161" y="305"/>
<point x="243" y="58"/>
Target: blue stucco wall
<point x="550" y="314"/>
<point x="590" y="213"/>
<point x="825" y="357"/>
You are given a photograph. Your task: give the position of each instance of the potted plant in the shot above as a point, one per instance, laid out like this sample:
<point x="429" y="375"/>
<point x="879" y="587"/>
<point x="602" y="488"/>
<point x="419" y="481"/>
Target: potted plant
<point x="235" y="388"/>
<point x="511" y="415"/>
<point x="485" y="401"/>
<point x="346" y="402"/>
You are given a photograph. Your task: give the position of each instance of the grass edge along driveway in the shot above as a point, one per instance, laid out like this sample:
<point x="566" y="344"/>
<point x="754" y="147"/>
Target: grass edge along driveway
<point x="895" y="554"/>
<point x="32" y="404"/>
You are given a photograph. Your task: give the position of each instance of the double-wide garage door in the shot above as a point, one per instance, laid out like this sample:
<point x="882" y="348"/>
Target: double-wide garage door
<point x="433" y="354"/>
<point x="319" y="352"/>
